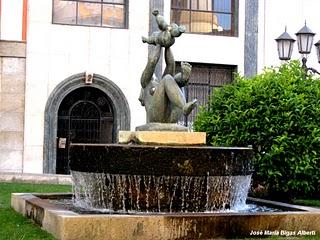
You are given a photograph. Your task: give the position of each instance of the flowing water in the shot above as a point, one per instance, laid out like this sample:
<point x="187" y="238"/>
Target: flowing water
<point x="144" y="193"/>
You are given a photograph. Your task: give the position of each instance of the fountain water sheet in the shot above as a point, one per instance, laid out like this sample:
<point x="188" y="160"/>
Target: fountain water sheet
<point x="145" y="193"/>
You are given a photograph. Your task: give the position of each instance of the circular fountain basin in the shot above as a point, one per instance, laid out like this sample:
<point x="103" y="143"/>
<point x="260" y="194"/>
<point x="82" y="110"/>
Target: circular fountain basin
<point x="160" y="160"/>
<point x="144" y="178"/>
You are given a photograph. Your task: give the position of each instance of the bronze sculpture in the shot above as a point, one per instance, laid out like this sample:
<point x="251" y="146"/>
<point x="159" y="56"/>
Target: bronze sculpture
<point x="163" y="99"/>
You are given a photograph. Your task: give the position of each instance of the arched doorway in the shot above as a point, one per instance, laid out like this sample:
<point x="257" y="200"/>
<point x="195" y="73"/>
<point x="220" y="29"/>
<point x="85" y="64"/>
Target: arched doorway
<point x="85" y="115"/>
<point x="117" y="102"/>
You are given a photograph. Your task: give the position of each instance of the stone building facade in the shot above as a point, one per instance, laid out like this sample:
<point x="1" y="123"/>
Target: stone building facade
<point x="12" y="107"/>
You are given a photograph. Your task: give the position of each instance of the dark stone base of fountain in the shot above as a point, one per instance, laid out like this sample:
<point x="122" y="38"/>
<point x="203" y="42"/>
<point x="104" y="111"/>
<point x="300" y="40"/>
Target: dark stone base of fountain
<point x="295" y="221"/>
<point x="161" y="160"/>
<point x="146" y="178"/>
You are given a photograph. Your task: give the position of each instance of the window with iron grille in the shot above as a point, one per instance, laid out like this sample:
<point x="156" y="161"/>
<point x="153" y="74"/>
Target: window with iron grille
<point x="204" y="78"/>
<point x="217" y="17"/>
<point x="99" y="13"/>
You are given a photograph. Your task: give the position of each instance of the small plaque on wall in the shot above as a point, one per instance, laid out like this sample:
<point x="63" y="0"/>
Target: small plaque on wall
<point x="88" y="78"/>
<point x="62" y="142"/>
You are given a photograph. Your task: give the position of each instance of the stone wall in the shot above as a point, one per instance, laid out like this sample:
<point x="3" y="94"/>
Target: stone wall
<point x="12" y="98"/>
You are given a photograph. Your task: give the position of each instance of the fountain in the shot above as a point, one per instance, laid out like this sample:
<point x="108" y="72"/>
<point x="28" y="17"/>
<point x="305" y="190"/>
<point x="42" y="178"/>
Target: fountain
<point x="161" y="181"/>
<point x="161" y="176"/>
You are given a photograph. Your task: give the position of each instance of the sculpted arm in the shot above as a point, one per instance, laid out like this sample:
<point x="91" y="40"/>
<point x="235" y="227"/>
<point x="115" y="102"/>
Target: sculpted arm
<point x="170" y="64"/>
<point x="151" y="65"/>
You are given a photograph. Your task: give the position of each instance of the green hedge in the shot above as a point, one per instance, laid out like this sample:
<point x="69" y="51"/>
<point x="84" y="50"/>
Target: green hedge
<point x="278" y="113"/>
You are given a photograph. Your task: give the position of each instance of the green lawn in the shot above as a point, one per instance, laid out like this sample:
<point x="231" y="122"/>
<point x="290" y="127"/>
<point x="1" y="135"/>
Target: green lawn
<point x="12" y="224"/>
<point x="307" y="202"/>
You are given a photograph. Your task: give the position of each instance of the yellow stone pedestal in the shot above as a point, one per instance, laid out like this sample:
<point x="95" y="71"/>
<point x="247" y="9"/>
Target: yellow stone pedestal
<point x="162" y="138"/>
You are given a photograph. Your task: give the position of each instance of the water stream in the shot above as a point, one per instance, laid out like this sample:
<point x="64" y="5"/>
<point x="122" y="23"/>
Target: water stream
<point x="145" y="193"/>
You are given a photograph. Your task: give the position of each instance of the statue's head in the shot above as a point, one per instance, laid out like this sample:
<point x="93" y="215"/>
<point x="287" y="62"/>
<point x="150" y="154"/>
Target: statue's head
<point x="146" y="93"/>
<point x="176" y="30"/>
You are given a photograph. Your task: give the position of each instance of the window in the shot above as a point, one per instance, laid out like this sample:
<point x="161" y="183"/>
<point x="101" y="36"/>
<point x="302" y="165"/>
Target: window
<point x="100" y="13"/>
<point x="204" y="78"/>
<point x="218" y="17"/>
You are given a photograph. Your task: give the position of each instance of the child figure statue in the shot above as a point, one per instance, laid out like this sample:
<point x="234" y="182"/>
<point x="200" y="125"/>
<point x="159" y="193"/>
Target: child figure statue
<point x="166" y="36"/>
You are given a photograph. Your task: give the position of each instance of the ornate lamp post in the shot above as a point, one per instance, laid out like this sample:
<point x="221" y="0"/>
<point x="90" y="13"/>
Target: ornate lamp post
<point x="304" y="40"/>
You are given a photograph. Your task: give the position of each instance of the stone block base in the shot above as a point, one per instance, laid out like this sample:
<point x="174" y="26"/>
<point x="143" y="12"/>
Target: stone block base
<point x="68" y="225"/>
<point x="162" y="138"/>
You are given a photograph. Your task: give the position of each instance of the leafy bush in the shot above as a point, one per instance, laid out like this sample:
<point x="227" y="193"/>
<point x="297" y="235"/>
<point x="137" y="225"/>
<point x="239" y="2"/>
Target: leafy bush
<point x="278" y="113"/>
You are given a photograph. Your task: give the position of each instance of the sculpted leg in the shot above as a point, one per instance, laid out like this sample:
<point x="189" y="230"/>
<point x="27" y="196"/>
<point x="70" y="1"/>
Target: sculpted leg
<point x="173" y="91"/>
<point x="158" y="110"/>
<point x="189" y="107"/>
<point x="175" y="97"/>
<point x="177" y="100"/>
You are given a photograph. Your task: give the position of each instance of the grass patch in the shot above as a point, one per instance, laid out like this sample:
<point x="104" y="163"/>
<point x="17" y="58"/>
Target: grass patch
<point x="307" y="202"/>
<point x="14" y="226"/>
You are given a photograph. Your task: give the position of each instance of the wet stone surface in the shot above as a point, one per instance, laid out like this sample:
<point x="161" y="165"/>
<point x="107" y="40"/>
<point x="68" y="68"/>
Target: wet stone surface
<point x="160" y="160"/>
<point x="147" y="178"/>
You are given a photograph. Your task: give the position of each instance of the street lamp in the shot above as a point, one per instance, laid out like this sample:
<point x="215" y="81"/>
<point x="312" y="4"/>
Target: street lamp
<point x="285" y="45"/>
<point x="318" y="50"/>
<point x="304" y="40"/>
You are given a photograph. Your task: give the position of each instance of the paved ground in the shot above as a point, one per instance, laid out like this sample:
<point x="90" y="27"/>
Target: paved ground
<point x="35" y="178"/>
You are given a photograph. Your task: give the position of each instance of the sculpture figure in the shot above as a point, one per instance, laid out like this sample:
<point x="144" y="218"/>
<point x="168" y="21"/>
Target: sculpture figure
<point x="163" y="99"/>
<point x="166" y="36"/>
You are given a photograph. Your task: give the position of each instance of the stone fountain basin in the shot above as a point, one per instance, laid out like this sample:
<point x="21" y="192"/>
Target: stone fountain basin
<point x="160" y="178"/>
<point x="294" y="221"/>
<point x="159" y="160"/>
